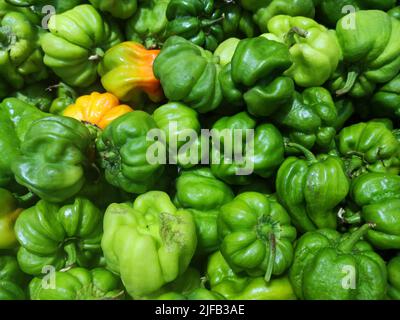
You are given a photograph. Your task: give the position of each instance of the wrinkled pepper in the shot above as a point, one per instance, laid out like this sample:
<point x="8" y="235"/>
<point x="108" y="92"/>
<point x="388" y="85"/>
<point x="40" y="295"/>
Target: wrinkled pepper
<point x="65" y="96"/>
<point x="9" y="213"/>
<point x="330" y="266"/>
<point x="386" y="100"/>
<point x="12" y="279"/>
<point x="37" y="5"/>
<point x="122" y="9"/>
<point x="149" y="243"/>
<point x="311" y="188"/>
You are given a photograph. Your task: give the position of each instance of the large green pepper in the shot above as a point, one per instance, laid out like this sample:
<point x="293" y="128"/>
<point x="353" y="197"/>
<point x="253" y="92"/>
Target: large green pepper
<point x="315" y="50"/>
<point x="77" y="284"/>
<point x="195" y="20"/>
<point x="393" y="269"/>
<point x="255" y="78"/>
<point x="330" y="11"/>
<point x="395" y="12"/>
<point x="386" y="101"/>
<point x="21" y="58"/>
<point x="59" y="236"/>
<point x="331" y="266"/>
<point x="311" y="189"/>
<point x="371" y="53"/>
<point x="376" y="194"/>
<point x="369" y="146"/>
<point x="189" y="74"/>
<point x="224" y="281"/>
<point x="73" y="47"/>
<point x="241" y="147"/>
<point x="12" y="280"/>
<point x="149" y="244"/>
<point x="9" y="213"/>
<point x="309" y="118"/>
<point x="201" y="193"/>
<point x="53" y="165"/>
<point x="256" y="234"/>
<point x="122" y="9"/>
<point x="148" y="24"/>
<point x="124" y="152"/>
<point x="59" y="5"/>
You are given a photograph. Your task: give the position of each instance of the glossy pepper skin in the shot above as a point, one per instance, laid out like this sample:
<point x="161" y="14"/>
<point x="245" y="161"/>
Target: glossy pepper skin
<point x="21" y="58"/>
<point x="311" y="188"/>
<point x="195" y="20"/>
<point x="98" y="109"/>
<point x="224" y="281"/>
<point x="395" y="12"/>
<point x="12" y="279"/>
<point x="330" y="11"/>
<point x="369" y="147"/>
<point x="375" y="194"/>
<point x="60" y="236"/>
<point x="122" y="9"/>
<point x="78" y="284"/>
<point x="148" y="244"/>
<point x="257" y="236"/>
<point x="309" y="118"/>
<point x="201" y="193"/>
<point x="331" y="266"/>
<point x="127" y="72"/>
<point x="123" y="147"/>
<point x="147" y="26"/>
<point x="393" y="269"/>
<point x="315" y="50"/>
<point x="254" y="78"/>
<point x="189" y="74"/>
<point x="386" y="101"/>
<point x="53" y="166"/>
<point x="59" y="5"/>
<point x="65" y="96"/>
<point x="259" y="150"/>
<point x="73" y="48"/>
<point x="370" y="53"/>
<point x="9" y="213"/>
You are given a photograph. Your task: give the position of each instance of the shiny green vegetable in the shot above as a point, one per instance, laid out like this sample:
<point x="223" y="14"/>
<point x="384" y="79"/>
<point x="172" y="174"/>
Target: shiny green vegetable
<point x="122" y="9"/>
<point x="394" y="278"/>
<point x="12" y="280"/>
<point x="386" y="100"/>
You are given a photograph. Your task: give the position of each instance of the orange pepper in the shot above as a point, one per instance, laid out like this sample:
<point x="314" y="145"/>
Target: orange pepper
<point x="99" y="109"/>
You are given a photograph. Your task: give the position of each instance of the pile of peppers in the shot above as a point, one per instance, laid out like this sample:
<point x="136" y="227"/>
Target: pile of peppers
<point x="307" y="209"/>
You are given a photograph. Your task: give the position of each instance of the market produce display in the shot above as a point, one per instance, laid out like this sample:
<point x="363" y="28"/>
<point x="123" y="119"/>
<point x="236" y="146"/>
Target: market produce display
<point x="199" y="150"/>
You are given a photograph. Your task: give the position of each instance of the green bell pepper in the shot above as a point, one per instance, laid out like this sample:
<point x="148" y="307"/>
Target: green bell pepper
<point x="315" y="50"/>
<point x="257" y="236"/>
<point x="73" y="48"/>
<point x="375" y="195"/>
<point x="9" y="213"/>
<point x="21" y="58"/>
<point x="254" y="77"/>
<point x="149" y="244"/>
<point x="37" y="95"/>
<point x="395" y="12"/>
<point x="60" y="6"/>
<point x="330" y="266"/>
<point x="122" y="9"/>
<point x="189" y="74"/>
<point x="369" y="146"/>
<point x="309" y="119"/>
<point x="124" y="153"/>
<point x="201" y="193"/>
<point x="310" y="189"/>
<point x="371" y="53"/>
<point x="224" y="281"/>
<point x="226" y="50"/>
<point x="59" y="236"/>
<point x="386" y="101"/>
<point x="241" y="147"/>
<point x="393" y="269"/>
<point x="148" y="24"/>
<point x="197" y="294"/>
<point x="330" y="11"/>
<point x="12" y="279"/>
<point x="195" y="20"/>
<point x="65" y="97"/>
<point x="78" y="284"/>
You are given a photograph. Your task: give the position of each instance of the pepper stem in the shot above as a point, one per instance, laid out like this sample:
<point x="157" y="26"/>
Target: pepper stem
<point x="307" y="153"/>
<point x="24" y="198"/>
<point x="70" y="249"/>
<point x="271" y="258"/>
<point x="289" y="37"/>
<point x="99" y="53"/>
<point x="353" y="218"/>
<point x="209" y="23"/>
<point x="351" y="80"/>
<point x="347" y="245"/>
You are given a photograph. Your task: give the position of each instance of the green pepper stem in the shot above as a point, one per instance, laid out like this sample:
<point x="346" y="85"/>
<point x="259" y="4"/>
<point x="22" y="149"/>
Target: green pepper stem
<point x="307" y="153"/>
<point x="271" y="258"/>
<point x="24" y="198"/>
<point x="353" y="218"/>
<point x="70" y="249"/>
<point x="209" y="23"/>
<point x="347" y="245"/>
<point x="99" y="53"/>
<point x="289" y="37"/>
<point x="351" y="80"/>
